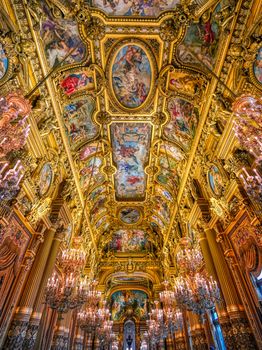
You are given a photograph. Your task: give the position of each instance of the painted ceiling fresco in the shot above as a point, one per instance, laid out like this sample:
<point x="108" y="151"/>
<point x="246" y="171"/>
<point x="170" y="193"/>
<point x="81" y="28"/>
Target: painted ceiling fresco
<point x="128" y="240"/>
<point x="136" y="300"/>
<point x="60" y="37"/>
<point x="134" y="8"/>
<point x="78" y="121"/>
<point x="131" y="76"/>
<point x="130" y="143"/>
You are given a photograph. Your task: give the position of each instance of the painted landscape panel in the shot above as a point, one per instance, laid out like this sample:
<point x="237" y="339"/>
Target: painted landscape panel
<point x="131" y="76"/>
<point x="130" y="143"/>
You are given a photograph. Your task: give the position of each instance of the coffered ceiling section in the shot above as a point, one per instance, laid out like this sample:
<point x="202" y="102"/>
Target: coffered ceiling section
<point x="129" y="86"/>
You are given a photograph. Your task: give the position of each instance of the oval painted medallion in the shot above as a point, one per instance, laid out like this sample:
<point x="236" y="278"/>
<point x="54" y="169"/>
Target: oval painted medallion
<point x="258" y="66"/>
<point x="131" y="76"/>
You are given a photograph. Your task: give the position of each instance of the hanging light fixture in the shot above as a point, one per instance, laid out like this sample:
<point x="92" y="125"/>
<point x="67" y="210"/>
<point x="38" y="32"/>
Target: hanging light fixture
<point x="10" y="179"/>
<point x="189" y="259"/>
<point x="247" y="126"/>
<point x="253" y="185"/>
<point x="194" y="290"/>
<point x="14" y="110"/>
<point x="70" y="290"/>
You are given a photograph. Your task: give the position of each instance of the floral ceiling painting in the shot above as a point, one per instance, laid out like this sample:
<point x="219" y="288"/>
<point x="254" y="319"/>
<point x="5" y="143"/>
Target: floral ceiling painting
<point x="60" y="37"/>
<point x="127" y="240"/>
<point x="134" y="301"/>
<point x="131" y="76"/>
<point x="78" y="122"/>
<point x="130" y="143"/>
<point x="183" y="122"/>
<point x="134" y="8"/>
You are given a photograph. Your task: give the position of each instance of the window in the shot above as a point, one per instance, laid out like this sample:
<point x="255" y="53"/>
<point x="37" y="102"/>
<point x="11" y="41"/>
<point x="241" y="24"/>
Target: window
<point x="217" y="331"/>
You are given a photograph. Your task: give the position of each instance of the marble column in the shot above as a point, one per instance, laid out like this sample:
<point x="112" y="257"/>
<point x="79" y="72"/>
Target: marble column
<point x="34" y="334"/>
<point x="19" y="325"/>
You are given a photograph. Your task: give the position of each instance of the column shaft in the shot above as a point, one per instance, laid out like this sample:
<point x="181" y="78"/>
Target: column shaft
<point x="20" y="322"/>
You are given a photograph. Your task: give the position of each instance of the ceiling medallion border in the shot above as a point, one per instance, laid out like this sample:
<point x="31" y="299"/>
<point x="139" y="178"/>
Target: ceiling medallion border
<point x="109" y="74"/>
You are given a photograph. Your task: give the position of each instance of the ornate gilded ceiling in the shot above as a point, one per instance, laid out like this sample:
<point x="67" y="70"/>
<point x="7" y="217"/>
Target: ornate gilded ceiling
<point x="129" y="87"/>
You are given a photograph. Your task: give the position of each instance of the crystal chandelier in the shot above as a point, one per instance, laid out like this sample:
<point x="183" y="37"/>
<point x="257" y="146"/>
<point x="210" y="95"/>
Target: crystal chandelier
<point x="10" y="179"/>
<point x="65" y="293"/>
<point x="70" y="290"/>
<point x="247" y="126"/>
<point x="252" y="185"/>
<point x="189" y="259"/>
<point x="72" y="260"/>
<point x="14" y="110"/>
<point x="197" y="293"/>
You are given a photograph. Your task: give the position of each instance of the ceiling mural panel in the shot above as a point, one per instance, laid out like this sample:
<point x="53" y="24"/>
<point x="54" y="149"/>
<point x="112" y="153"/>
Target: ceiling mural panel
<point x="130" y="216"/>
<point x="59" y="37"/>
<point x="163" y="192"/>
<point x="173" y="151"/>
<point x="78" y="81"/>
<point x="157" y="221"/>
<point x="130" y="143"/>
<point x="131" y="76"/>
<point x="183" y="122"/>
<point x="89" y="150"/>
<point x="96" y="193"/>
<point x="127" y="240"/>
<point x="134" y="8"/>
<point x="78" y="122"/>
<point x="162" y="209"/>
<point x="98" y="208"/>
<point x="134" y="301"/>
<point x="168" y="175"/>
<point x="200" y="43"/>
<point x="90" y="174"/>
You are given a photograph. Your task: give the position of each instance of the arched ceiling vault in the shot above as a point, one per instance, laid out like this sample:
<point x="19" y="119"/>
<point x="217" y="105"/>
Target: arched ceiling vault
<point x="131" y="98"/>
